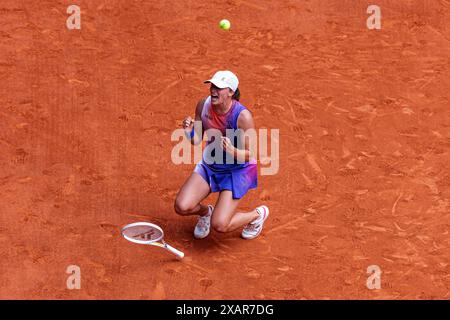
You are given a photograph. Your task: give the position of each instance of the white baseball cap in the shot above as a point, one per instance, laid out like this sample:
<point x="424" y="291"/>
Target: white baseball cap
<point x="224" y="79"/>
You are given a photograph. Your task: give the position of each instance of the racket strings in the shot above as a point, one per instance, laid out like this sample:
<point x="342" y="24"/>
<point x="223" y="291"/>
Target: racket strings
<point x="145" y="235"/>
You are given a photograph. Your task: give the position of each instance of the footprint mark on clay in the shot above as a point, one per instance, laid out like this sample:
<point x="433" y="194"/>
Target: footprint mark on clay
<point x="110" y="228"/>
<point x="253" y="274"/>
<point x="205" y="283"/>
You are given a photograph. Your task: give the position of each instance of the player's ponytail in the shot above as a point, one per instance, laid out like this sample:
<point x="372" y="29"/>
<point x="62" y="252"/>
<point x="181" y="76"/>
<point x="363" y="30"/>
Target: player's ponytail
<point x="237" y="95"/>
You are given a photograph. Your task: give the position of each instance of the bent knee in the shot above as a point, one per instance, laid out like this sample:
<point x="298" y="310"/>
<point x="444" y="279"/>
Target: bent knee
<point x="183" y="207"/>
<point x="220" y="226"/>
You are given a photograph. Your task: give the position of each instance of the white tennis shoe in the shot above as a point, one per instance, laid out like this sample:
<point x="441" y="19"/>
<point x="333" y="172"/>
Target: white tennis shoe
<point x="203" y="224"/>
<point x="254" y="228"/>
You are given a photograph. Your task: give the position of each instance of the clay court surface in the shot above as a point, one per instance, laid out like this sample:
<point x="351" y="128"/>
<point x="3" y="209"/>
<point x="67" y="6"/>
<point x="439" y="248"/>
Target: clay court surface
<point x="86" y="118"/>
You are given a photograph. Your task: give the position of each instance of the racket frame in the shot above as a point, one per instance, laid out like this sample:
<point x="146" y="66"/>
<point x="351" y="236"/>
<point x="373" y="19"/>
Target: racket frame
<point x="159" y="242"/>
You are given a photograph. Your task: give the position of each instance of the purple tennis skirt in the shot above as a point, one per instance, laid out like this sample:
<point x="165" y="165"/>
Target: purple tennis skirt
<point x="238" y="180"/>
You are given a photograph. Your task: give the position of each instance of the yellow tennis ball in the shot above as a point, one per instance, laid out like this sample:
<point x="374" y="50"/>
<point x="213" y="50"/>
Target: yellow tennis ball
<point x="224" y="24"/>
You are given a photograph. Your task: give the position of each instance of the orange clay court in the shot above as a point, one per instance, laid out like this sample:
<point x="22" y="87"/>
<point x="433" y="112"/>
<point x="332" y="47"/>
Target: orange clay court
<point x="364" y="179"/>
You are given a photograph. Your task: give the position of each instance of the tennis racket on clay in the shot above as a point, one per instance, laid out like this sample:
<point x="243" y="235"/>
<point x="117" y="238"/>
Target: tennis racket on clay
<point x="148" y="233"/>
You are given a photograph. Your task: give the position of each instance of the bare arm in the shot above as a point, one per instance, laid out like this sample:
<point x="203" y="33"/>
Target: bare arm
<point x="246" y="124"/>
<point x="198" y="136"/>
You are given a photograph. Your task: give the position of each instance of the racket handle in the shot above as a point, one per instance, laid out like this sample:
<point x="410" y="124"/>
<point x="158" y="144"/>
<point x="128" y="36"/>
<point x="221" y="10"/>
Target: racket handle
<point x="178" y="253"/>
